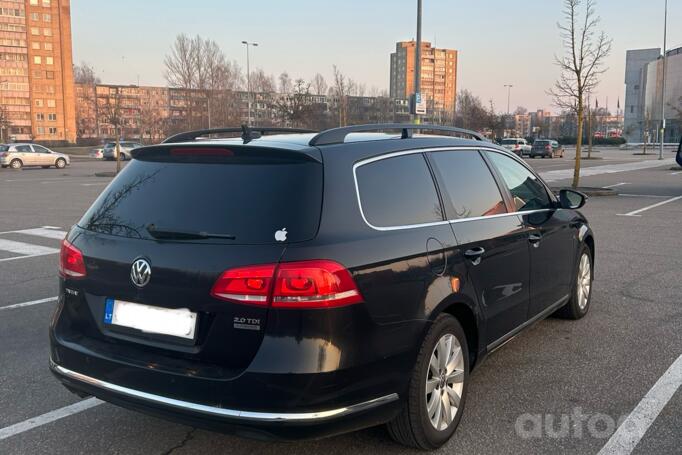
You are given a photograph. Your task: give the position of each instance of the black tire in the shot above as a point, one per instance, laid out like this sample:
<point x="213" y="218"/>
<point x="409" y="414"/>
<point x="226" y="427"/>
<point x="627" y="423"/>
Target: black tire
<point x="572" y="309"/>
<point x="412" y="426"/>
<point x="16" y="164"/>
<point x="60" y="163"/>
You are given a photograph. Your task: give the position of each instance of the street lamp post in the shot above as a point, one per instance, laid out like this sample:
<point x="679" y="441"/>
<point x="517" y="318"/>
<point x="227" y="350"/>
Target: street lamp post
<point x="248" y="77"/>
<point x="665" y="39"/>
<point x="508" y="87"/>
<point x="418" y="59"/>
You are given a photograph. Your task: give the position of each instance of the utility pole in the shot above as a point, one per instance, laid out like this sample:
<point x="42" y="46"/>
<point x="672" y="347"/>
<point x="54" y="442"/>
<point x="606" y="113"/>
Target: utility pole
<point x="248" y="77"/>
<point x="665" y="43"/>
<point x="418" y="59"/>
<point x="509" y="87"/>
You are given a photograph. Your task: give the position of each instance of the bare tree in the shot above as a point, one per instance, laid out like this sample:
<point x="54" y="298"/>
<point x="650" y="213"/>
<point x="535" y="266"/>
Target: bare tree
<point x="319" y="84"/>
<point x="4" y="123"/>
<point x="285" y="85"/>
<point x="85" y="74"/>
<point x="341" y="90"/>
<point x="586" y="48"/>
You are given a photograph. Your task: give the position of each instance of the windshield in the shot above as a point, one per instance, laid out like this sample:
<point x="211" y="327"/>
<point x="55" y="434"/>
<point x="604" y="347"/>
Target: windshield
<point x="247" y="201"/>
<point x="4" y="148"/>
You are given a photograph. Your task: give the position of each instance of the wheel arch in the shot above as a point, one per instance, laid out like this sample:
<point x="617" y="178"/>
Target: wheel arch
<point x="470" y="322"/>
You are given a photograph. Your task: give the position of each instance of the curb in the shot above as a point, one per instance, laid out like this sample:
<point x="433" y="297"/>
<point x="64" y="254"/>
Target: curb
<point x="105" y="174"/>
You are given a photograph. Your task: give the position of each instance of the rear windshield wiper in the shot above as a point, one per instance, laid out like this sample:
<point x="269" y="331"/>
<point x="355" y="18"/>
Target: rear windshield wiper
<point x="162" y="233"/>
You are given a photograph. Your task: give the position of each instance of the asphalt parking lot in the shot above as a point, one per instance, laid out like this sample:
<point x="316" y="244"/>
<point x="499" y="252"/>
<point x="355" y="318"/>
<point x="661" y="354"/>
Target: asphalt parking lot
<point x="560" y="387"/>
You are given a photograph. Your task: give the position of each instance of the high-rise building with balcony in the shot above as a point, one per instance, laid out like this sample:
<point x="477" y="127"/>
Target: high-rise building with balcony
<point x="438" y="74"/>
<point x="36" y="71"/>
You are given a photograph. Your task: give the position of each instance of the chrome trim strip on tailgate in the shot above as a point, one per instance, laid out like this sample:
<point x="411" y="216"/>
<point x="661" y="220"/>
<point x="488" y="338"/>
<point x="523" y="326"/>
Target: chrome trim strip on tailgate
<point x="223" y="412"/>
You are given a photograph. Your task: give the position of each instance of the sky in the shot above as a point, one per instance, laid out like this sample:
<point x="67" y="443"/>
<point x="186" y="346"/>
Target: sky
<point x="499" y="41"/>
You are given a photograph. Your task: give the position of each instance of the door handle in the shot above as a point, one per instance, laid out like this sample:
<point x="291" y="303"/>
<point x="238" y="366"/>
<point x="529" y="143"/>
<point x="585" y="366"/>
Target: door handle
<point x="475" y="254"/>
<point x="535" y="239"/>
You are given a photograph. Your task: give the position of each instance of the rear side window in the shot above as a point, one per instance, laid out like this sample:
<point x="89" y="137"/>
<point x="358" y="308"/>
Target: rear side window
<point x="508" y="141"/>
<point x="249" y="200"/>
<point x="398" y="192"/>
<point x="468" y="186"/>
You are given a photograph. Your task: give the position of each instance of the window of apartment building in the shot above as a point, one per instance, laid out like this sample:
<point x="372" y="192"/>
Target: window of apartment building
<point x="40" y="116"/>
<point x="48" y="46"/>
<point x="41" y="130"/>
<point x="51" y="103"/>
<point x="52" y="130"/>
<point x="47" y="31"/>
<point x="35" y="16"/>
<point x="35" y="45"/>
<point x="12" y="12"/>
<point x="47" y="17"/>
<point x="37" y="59"/>
<point x="46" y="2"/>
<point x="52" y="117"/>
<point x="35" y="31"/>
<point x="49" y="60"/>
<point x="39" y="103"/>
<point x="49" y="88"/>
<point x="37" y="74"/>
<point x="34" y="2"/>
<point x="49" y="74"/>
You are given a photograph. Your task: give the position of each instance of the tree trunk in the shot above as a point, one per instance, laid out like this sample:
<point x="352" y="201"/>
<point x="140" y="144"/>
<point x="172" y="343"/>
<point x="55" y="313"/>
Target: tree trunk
<point x="589" y="133"/>
<point x="578" y="146"/>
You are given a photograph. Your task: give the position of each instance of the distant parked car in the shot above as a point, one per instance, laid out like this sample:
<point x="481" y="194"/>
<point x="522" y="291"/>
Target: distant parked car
<point x="17" y="156"/>
<point x="97" y="153"/>
<point x="516" y="145"/>
<point x="109" y="152"/>
<point x="678" y="157"/>
<point x="546" y="148"/>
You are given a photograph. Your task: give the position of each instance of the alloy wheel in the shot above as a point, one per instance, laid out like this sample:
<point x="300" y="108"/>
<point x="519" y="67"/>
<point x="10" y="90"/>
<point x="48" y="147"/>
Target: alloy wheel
<point x="444" y="382"/>
<point x="584" y="282"/>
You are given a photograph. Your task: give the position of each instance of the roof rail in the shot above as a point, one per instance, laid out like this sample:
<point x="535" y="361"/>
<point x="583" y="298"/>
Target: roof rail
<point x="248" y="133"/>
<point x="338" y="135"/>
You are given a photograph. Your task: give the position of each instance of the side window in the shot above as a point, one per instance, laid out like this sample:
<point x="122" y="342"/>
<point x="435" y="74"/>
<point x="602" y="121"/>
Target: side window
<point x="24" y="149"/>
<point x="40" y="149"/>
<point x="526" y="191"/>
<point x="467" y="184"/>
<point x="397" y="192"/>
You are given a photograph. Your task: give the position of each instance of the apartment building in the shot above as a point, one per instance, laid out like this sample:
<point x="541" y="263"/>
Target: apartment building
<point x="37" y="99"/>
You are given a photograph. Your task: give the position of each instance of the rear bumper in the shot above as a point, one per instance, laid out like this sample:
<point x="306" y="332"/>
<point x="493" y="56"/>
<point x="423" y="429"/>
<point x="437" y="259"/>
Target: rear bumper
<point x="257" y="424"/>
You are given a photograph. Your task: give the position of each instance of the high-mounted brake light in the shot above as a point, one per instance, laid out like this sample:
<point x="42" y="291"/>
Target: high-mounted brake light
<point x="71" y="263"/>
<point x="201" y="151"/>
<point x="298" y="285"/>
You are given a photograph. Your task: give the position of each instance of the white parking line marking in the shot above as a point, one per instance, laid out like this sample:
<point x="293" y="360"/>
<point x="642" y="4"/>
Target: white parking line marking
<point x="641" y="195"/>
<point x="632" y="430"/>
<point x="26" y="257"/>
<point x="561" y="174"/>
<point x="26" y="249"/>
<point x="31" y="303"/>
<point x="649" y="207"/>
<point x="43" y="232"/>
<point x="49" y="417"/>
<point x="676" y="173"/>
<point x="616" y="184"/>
<point x="94" y="184"/>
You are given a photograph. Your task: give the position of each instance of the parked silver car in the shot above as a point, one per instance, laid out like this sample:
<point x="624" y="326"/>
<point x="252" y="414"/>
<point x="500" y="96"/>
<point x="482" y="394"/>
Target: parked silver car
<point x="17" y="156"/>
<point x="109" y="152"/>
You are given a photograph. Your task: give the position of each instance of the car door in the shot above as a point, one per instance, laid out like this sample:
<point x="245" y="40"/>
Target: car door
<point x="26" y="155"/>
<point x="492" y="241"/>
<point x="551" y="238"/>
<point x="43" y="156"/>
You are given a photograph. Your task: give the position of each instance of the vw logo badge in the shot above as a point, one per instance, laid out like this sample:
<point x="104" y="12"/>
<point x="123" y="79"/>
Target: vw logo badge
<point x="140" y="273"/>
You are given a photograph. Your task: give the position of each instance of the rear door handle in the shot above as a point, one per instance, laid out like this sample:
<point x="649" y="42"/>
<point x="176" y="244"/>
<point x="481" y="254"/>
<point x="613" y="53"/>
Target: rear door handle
<point x="475" y="254"/>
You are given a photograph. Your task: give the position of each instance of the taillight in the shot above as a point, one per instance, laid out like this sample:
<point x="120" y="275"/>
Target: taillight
<point x="71" y="263"/>
<point x="548" y="147"/>
<point x="250" y="285"/>
<point x="303" y="285"/>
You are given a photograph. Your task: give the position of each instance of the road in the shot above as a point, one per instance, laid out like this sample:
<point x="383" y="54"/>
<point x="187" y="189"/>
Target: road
<point x="590" y="373"/>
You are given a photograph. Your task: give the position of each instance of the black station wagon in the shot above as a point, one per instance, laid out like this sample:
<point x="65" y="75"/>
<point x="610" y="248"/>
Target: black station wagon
<point x="290" y="285"/>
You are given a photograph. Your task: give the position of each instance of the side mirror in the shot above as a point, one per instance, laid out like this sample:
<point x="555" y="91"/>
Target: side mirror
<point x="571" y="199"/>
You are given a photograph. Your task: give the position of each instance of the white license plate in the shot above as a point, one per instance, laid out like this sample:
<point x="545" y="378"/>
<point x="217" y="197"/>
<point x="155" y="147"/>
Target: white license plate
<point x="151" y="319"/>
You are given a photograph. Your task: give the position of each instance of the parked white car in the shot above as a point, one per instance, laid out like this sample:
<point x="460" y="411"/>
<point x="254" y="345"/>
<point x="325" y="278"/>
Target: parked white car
<point x="109" y="152"/>
<point x="17" y="156"/>
<point x="517" y="145"/>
